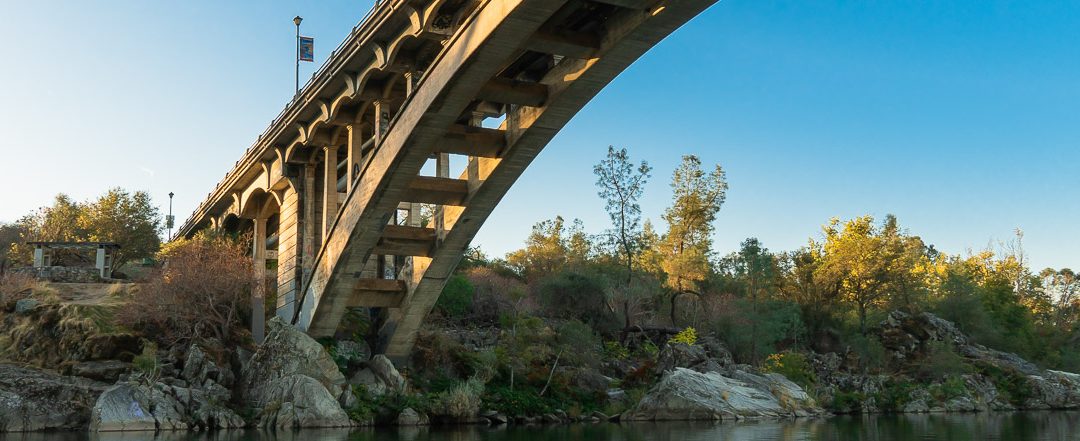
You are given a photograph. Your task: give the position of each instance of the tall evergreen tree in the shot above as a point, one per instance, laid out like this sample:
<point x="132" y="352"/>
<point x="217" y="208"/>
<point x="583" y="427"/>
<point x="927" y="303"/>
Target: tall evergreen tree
<point x="688" y="243"/>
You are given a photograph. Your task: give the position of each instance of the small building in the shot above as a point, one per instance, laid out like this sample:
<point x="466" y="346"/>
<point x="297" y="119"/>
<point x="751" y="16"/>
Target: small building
<point x="76" y="254"/>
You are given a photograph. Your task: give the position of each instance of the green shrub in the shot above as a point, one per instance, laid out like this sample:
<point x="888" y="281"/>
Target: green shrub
<point x="481" y="364"/>
<point x="1013" y="385"/>
<point x="649" y="349"/>
<point x="894" y="395"/>
<point x="579" y="296"/>
<point x="366" y="408"/>
<point x="461" y="401"/>
<point x="792" y="365"/>
<point x="952" y="387"/>
<point x="518" y="401"/>
<point x="384" y="408"/>
<point x="616" y="351"/>
<point x="687" y="336"/>
<point x="146" y="363"/>
<point x="579" y="345"/>
<point x="456" y="298"/>
<point x="847" y="402"/>
<point x="940" y="362"/>
<point x="872" y="355"/>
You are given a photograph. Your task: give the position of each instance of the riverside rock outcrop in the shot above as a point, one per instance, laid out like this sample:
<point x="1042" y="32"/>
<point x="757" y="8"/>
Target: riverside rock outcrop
<point x="987" y="379"/>
<point x="700" y="382"/>
<point x="293" y="382"/>
<point x="684" y="394"/>
<point x="196" y="400"/>
<point x="35" y="400"/>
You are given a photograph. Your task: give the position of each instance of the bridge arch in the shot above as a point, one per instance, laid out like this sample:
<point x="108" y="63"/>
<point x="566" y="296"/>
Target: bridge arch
<point x="415" y="83"/>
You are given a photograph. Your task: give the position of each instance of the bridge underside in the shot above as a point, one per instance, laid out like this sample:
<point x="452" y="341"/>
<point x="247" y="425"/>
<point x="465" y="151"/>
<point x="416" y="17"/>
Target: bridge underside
<point x="352" y="192"/>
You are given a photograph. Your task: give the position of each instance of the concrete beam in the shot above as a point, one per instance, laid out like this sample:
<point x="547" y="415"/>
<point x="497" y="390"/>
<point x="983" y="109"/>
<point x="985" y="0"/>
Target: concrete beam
<point x="572" y="45"/>
<point x="472" y="141"/>
<point x="629" y="4"/>
<point x="508" y="91"/>
<point x="438" y="191"/>
<point x="399" y="240"/>
<point x="377" y="293"/>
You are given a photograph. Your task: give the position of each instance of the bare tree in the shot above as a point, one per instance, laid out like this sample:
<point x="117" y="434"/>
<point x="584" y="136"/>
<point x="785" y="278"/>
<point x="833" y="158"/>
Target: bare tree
<point x="621" y="184"/>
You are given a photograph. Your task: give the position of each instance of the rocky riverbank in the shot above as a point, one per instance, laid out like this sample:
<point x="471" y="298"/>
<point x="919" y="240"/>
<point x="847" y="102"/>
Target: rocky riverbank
<point x="66" y="367"/>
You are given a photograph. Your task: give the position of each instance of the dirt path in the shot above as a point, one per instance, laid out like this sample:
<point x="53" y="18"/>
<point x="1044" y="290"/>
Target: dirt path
<point x="89" y="293"/>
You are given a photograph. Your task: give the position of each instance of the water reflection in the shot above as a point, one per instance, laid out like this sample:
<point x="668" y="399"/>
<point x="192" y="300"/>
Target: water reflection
<point x="1021" y="426"/>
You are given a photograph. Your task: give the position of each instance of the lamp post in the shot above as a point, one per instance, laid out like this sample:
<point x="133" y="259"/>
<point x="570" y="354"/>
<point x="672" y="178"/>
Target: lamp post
<point x="297" y="21"/>
<point x="169" y="221"/>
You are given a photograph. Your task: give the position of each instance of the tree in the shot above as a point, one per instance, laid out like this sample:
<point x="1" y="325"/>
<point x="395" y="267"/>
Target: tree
<point x="128" y="219"/>
<point x="200" y="292"/>
<point x="907" y="266"/>
<point x="855" y="261"/>
<point x="621" y="184"/>
<point x="688" y="242"/>
<point x="757" y="266"/>
<point x="1063" y="287"/>
<point x="549" y="248"/>
<point x="56" y="223"/>
<point x="9" y="237"/>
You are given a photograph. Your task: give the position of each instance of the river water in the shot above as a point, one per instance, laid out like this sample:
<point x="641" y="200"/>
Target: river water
<point x="1019" y="426"/>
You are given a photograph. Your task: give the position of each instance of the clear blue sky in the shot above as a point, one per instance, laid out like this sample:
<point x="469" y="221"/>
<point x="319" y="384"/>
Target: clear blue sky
<point x="960" y="117"/>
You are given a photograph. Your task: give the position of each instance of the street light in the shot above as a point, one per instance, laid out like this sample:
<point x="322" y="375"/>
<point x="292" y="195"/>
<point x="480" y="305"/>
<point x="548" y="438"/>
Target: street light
<point x="297" y="21"/>
<point x="170" y="220"/>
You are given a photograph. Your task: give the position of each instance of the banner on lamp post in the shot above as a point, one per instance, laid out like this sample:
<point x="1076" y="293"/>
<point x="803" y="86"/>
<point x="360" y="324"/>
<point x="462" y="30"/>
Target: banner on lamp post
<point x="307" y="49"/>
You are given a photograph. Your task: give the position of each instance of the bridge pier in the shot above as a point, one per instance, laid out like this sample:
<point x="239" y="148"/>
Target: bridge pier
<point x="289" y="270"/>
<point x="330" y="193"/>
<point x="258" y="251"/>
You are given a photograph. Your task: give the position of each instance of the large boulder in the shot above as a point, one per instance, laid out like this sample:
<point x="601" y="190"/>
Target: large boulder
<point x="791" y="396"/>
<point x="107" y="371"/>
<point x="299" y="401"/>
<point x="906" y="335"/>
<point x="34" y="400"/>
<point x="135" y="407"/>
<point x="679" y="355"/>
<point x="199" y="368"/>
<point x="383" y="368"/>
<point x="708" y="356"/>
<point x="410" y="417"/>
<point x="293" y="382"/>
<point x="684" y="394"/>
<point x="380" y="377"/>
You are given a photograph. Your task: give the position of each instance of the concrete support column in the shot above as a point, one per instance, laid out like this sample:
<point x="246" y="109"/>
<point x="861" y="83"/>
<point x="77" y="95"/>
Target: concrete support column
<point x="258" y="255"/>
<point x="442" y="170"/>
<point x="39" y="256"/>
<point x="289" y="247"/>
<point x="382" y="119"/>
<point x="412" y="80"/>
<point x="355" y="149"/>
<point x="472" y="170"/>
<point x="100" y="262"/>
<point x="414" y="215"/>
<point x="307" y="199"/>
<point x="330" y="193"/>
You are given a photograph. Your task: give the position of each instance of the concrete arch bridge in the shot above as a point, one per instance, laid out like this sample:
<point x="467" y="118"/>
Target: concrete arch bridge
<point x="333" y="189"/>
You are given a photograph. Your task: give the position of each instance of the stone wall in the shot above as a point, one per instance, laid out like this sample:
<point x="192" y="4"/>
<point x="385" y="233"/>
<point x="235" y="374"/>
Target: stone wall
<point x="63" y="274"/>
